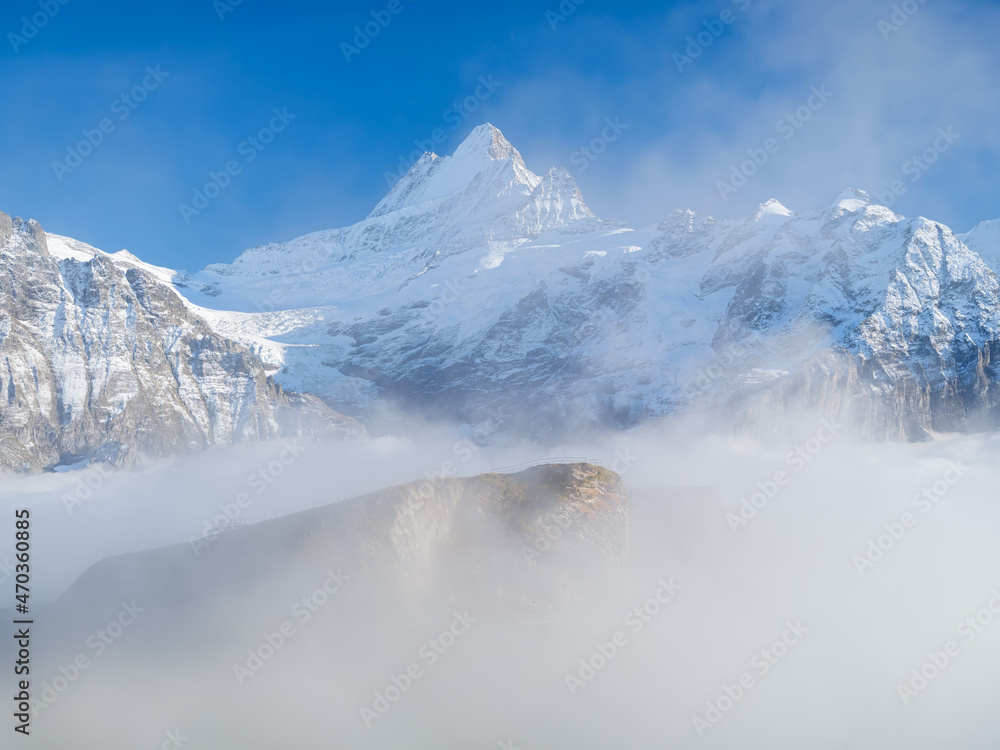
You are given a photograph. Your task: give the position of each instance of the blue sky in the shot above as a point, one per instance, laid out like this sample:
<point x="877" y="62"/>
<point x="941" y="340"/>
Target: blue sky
<point x="893" y="77"/>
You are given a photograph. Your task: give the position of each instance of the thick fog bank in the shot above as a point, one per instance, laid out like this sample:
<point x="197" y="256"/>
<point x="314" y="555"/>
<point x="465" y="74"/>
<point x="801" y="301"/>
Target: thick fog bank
<point x="823" y="593"/>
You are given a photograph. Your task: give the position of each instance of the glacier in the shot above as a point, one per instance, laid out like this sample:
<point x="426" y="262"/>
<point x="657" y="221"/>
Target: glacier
<point x="478" y="290"/>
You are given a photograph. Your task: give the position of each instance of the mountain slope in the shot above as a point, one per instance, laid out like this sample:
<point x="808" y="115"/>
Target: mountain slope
<point x="481" y="291"/>
<point x="341" y="597"/>
<point x="99" y="359"/>
<point x="550" y="537"/>
<point x="984" y="239"/>
<point x="476" y="287"/>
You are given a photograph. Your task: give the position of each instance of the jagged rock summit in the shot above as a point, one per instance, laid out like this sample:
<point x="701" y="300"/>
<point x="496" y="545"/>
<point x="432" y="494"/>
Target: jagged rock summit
<point x="482" y="291"/>
<point x="477" y="287"/>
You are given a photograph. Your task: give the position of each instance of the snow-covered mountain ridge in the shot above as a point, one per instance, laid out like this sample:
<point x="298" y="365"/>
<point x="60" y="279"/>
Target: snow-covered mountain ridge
<point x="476" y="285"/>
<point x="481" y="290"/>
<point x="100" y="359"/>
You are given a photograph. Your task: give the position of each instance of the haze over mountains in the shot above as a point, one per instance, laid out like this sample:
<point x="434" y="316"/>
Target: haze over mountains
<point x="310" y="618"/>
<point x="481" y="292"/>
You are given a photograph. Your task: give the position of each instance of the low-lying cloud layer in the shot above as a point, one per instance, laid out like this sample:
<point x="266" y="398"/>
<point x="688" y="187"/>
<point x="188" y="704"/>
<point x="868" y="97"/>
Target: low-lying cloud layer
<point x="825" y="593"/>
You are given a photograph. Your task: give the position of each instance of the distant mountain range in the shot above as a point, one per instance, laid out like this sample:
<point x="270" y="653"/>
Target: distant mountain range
<point x="478" y="290"/>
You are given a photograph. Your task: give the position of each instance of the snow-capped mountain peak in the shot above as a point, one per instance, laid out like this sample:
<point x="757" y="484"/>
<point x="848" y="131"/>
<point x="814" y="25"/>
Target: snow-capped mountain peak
<point x="486" y="140"/>
<point x="484" y="164"/>
<point x="851" y="199"/>
<point x="984" y="238"/>
<point x="480" y="286"/>
<point x="772" y="212"/>
<point x="484" y="285"/>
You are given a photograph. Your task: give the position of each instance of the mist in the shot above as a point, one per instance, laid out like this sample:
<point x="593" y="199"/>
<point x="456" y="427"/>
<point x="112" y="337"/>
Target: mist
<point x="646" y="540"/>
<point x="786" y="593"/>
<point x="891" y="85"/>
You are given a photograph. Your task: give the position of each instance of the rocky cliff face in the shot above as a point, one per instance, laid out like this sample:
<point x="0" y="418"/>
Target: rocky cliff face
<point x="317" y="610"/>
<point x="892" y="323"/>
<point x="481" y="291"/>
<point x="477" y="287"/>
<point x="100" y="359"/>
<point x="550" y="538"/>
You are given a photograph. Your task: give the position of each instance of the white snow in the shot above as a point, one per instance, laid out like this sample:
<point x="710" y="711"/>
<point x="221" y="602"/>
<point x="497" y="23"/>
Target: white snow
<point x="67" y="247"/>
<point x="773" y="212"/>
<point x="439" y="271"/>
<point x="852" y="200"/>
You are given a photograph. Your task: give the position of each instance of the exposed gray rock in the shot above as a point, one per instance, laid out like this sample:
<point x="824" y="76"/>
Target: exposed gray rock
<point x="100" y="360"/>
<point x="851" y="310"/>
<point x="552" y="538"/>
<point x="478" y="290"/>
